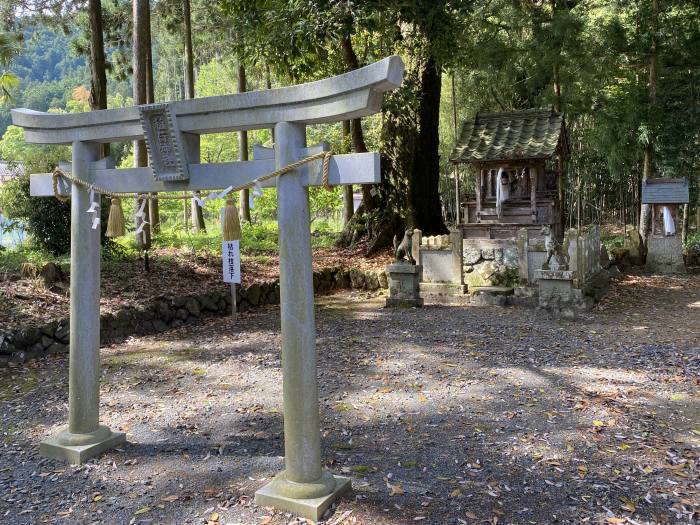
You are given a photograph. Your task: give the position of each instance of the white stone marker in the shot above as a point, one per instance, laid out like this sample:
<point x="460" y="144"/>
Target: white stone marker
<point x="303" y="487"/>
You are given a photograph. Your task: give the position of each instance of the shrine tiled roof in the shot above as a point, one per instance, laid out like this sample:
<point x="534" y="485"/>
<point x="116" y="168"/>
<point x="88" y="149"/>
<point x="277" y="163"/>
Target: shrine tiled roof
<point x="665" y="191"/>
<point x="515" y="135"/>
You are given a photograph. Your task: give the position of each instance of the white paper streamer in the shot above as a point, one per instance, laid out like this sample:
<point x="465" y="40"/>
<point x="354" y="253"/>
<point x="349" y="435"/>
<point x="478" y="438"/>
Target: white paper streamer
<point x="225" y="192"/>
<point x="212" y="195"/>
<point x="94" y="205"/>
<point x="141" y="227"/>
<point x="257" y="189"/>
<point x="196" y="199"/>
<point x="95" y="223"/>
<point x="251" y="201"/>
<point x="141" y="212"/>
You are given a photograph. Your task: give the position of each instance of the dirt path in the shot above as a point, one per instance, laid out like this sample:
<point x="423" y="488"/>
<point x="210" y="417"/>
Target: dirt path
<point x="440" y="415"/>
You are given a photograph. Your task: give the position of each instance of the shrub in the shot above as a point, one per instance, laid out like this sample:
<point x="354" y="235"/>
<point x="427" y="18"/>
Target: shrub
<point x="47" y="219"/>
<point x="692" y="240"/>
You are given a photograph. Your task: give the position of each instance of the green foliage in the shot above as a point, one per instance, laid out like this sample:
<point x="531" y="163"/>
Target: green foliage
<point x="501" y="54"/>
<point x="46" y="72"/>
<point x="12" y="259"/>
<point x="8" y="81"/>
<point x="692" y="241"/>
<point x="48" y="220"/>
<point x="33" y="157"/>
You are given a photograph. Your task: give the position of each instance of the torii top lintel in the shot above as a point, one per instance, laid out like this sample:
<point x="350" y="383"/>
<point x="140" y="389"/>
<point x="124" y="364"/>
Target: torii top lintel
<point x="347" y="96"/>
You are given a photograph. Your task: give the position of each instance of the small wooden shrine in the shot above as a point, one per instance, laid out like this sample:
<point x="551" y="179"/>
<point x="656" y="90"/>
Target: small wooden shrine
<point x="664" y="196"/>
<point x="518" y="158"/>
<point x="664" y="244"/>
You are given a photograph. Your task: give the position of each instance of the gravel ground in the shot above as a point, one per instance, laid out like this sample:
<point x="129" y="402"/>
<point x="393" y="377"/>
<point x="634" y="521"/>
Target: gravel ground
<point x="441" y="415"/>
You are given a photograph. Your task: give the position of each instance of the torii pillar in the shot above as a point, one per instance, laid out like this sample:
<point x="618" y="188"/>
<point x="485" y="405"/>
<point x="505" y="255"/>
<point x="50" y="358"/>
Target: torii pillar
<point x="303" y="487"/>
<point x="85" y="437"/>
<point x="172" y="134"/>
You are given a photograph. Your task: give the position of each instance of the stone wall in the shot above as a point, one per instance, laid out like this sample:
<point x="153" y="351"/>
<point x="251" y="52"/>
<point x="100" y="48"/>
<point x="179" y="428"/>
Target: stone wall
<point x="490" y="262"/>
<point x="584" y="251"/>
<point x="167" y="312"/>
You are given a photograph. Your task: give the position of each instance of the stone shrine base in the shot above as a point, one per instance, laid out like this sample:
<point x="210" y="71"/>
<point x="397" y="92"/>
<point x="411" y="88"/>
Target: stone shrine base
<point x="76" y="449"/>
<point x="444" y="293"/>
<point x="404" y="285"/>
<point x="558" y="295"/>
<point x="312" y="509"/>
<point x="665" y="254"/>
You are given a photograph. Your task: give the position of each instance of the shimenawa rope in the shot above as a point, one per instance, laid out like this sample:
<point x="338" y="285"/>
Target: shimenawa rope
<point x="324" y="155"/>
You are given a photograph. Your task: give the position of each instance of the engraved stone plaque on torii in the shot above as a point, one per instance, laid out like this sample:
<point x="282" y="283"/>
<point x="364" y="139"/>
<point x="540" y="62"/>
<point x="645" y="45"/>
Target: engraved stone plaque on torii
<point x="172" y="131"/>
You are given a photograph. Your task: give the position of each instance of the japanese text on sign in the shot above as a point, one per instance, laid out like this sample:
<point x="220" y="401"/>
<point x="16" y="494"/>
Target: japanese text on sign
<point x="231" y="255"/>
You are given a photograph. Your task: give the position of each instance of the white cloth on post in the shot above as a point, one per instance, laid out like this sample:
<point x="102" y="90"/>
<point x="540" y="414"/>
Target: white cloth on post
<point x="501" y="193"/>
<point x="669" y="224"/>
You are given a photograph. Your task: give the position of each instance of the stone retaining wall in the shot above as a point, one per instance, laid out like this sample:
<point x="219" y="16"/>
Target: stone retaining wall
<point x="168" y="312"/>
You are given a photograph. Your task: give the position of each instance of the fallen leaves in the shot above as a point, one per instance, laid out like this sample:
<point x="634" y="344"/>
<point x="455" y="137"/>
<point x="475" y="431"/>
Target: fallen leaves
<point x="526" y="432"/>
<point x="395" y="490"/>
<point x="628" y="504"/>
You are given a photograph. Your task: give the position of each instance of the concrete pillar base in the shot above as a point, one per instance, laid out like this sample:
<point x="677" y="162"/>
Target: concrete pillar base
<point x="278" y="493"/>
<point x="78" y="448"/>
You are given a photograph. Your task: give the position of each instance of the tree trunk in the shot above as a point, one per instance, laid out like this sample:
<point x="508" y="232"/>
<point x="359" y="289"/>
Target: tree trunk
<point x="196" y="212"/>
<point x="141" y="43"/>
<point x="189" y="55"/>
<point x="98" y="93"/>
<point x="244" y="200"/>
<point x="348" y="203"/>
<point x="153" y="205"/>
<point x="424" y="204"/>
<point x="268" y="85"/>
<point x="369" y="202"/>
<point x="98" y="71"/>
<point x="556" y="83"/>
<point x="645" y="214"/>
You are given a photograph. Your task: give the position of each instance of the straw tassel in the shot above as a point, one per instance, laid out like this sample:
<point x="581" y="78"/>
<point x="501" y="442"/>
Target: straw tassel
<point x="231" y="224"/>
<point x="115" y="223"/>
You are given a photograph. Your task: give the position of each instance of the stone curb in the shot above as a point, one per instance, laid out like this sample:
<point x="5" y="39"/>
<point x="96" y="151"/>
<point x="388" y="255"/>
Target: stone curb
<point x="167" y="312"/>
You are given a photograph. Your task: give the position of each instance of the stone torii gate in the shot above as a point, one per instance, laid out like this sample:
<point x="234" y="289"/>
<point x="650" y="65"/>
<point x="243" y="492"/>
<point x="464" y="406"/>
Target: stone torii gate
<point x="172" y="133"/>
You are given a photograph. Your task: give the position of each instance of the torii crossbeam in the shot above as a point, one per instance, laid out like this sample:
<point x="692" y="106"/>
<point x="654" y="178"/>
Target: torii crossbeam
<point x="172" y="133"/>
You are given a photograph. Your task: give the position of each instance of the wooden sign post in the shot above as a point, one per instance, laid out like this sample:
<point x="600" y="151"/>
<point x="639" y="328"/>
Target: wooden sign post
<point x="231" y="257"/>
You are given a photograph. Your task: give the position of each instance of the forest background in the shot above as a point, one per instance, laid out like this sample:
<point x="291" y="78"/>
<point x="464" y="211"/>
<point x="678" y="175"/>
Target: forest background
<point x="624" y="72"/>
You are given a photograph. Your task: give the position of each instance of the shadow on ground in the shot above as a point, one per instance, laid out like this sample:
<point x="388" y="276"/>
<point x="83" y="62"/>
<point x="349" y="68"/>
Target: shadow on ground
<point x="440" y="415"/>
